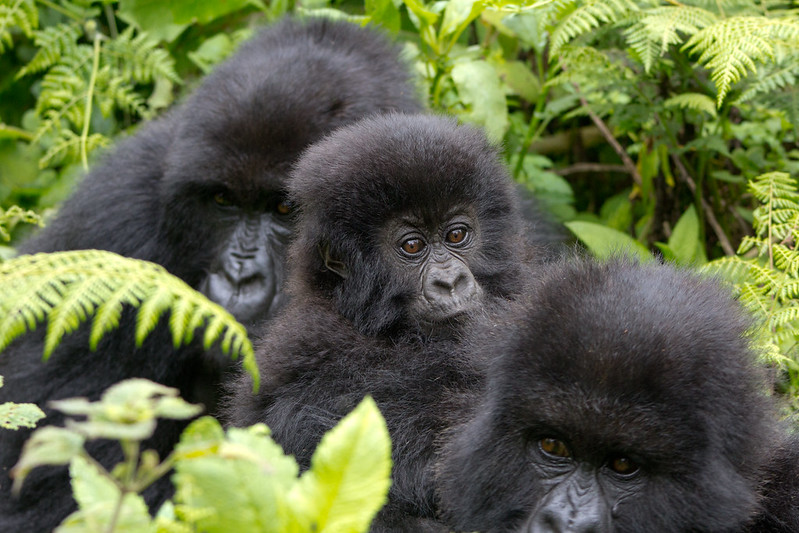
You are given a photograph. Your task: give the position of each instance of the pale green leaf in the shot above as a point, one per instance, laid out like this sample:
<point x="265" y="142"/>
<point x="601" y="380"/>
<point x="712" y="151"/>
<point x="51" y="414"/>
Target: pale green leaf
<point x="480" y="90"/>
<point x="350" y="474"/>
<point x="605" y="242"/>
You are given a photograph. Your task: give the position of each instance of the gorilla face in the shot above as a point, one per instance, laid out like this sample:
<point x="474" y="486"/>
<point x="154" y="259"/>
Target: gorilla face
<point x="624" y="399"/>
<point x="406" y="222"/>
<point x="434" y="259"/>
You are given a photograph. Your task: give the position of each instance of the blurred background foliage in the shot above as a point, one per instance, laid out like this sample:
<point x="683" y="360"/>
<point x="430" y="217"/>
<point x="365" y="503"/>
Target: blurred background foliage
<point x="653" y="125"/>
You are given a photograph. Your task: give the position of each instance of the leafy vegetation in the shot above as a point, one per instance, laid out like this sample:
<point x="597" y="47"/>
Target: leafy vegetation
<point x="234" y="480"/>
<point x="649" y="125"/>
<point x="66" y="288"/>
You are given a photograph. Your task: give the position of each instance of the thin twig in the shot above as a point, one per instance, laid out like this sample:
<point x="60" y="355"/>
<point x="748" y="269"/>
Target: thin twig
<point x="87" y="114"/>
<point x="709" y="216"/>
<point x="578" y="168"/>
<point x="606" y="133"/>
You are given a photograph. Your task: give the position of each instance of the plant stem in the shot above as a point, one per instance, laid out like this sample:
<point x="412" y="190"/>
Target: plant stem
<point x="87" y="114"/>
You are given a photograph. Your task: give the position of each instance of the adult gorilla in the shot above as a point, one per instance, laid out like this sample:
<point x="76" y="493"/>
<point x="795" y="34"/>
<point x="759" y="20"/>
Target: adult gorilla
<point x="624" y="398"/>
<point x="200" y="192"/>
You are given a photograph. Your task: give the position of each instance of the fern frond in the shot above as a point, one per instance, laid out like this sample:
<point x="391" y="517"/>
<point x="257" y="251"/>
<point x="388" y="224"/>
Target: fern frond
<point x="586" y="66"/>
<point x="139" y="58"/>
<point x="54" y="42"/>
<point x="731" y="47"/>
<point x="588" y="16"/>
<point x="653" y="32"/>
<point x="772" y="82"/>
<point x="20" y="14"/>
<point x="67" y="145"/>
<point x="115" y="91"/>
<point x="67" y="288"/>
<point x="63" y="92"/>
<point x="14" y="215"/>
<point x="696" y="101"/>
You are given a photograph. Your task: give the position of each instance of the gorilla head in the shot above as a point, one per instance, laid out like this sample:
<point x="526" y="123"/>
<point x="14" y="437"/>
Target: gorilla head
<point x="238" y="136"/>
<point x="406" y="222"/>
<point x="624" y="398"/>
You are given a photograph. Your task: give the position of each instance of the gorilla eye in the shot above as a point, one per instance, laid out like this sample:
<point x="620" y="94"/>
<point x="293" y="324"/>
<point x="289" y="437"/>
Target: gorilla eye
<point x="554" y="447"/>
<point x="284" y="208"/>
<point x="456" y="236"/>
<point x="623" y="465"/>
<point x="222" y="199"/>
<point x="413" y="246"/>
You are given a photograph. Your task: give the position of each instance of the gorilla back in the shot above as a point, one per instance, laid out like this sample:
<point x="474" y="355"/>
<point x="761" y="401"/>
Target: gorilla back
<point x="624" y="398"/>
<point x="200" y="191"/>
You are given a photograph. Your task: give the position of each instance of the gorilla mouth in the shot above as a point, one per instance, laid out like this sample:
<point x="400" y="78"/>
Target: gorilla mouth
<point x="245" y="299"/>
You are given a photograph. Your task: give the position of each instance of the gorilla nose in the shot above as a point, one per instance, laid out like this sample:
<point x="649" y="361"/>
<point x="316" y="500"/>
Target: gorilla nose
<point x="450" y="283"/>
<point x="554" y="522"/>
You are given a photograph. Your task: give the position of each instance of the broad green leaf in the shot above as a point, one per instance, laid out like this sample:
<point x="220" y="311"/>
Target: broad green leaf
<point x="211" y="51"/>
<point x="350" y="474"/>
<point x="202" y="437"/>
<point x="17" y="415"/>
<point x="384" y="13"/>
<point x="417" y="10"/>
<point x="97" y="498"/>
<point x="520" y="79"/>
<point x="617" y="211"/>
<point x="605" y="242"/>
<point x="480" y="90"/>
<point x="166" y="20"/>
<point x="127" y="410"/>
<point x="243" y="487"/>
<point x="458" y="15"/>
<point x="49" y="445"/>
<point x="685" y="241"/>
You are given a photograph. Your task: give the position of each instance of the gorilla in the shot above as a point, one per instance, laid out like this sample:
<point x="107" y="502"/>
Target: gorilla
<point x="408" y="227"/>
<point x="620" y="398"/>
<point x="201" y="192"/>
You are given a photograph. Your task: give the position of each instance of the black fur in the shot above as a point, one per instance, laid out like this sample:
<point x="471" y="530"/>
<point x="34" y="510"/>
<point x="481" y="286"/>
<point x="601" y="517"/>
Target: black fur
<point x="153" y="198"/>
<point x="342" y="338"/>
<point x="616" y="359"/>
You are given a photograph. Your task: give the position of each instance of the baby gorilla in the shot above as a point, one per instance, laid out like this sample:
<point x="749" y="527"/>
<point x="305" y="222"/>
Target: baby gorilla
<point x="408" y="225"/>
<point x="623" y="398"/>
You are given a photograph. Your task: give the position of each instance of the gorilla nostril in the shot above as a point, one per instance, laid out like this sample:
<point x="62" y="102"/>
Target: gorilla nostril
<point x="244" y="254"/>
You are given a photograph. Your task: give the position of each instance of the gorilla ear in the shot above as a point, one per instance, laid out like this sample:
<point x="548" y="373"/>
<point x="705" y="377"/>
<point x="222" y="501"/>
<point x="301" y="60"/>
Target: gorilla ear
<point x="331" y="264"/>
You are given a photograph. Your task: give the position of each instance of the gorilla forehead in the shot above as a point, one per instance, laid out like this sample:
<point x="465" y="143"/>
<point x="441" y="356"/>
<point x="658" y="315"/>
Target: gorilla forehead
<point x="413" y="164"/>
<point x="627" y="339"/>
<point x="283" y="90"/>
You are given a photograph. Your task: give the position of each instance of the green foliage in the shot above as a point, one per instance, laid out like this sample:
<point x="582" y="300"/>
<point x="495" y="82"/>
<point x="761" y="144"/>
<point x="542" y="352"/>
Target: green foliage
<point x="66" y="288"/>
<point x="20" y="14"/>
<point x="766" y="272"/>
<point x="603" y="241"/>
<point x="238" y="480"/>
<point x="14" y="215"/>
<point x="245" y="483"/>
<point x="17" y="415"/>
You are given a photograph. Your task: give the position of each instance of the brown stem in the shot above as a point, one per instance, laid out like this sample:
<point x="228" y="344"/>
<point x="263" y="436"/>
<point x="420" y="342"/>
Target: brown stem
<point x="606" y="133"/>
<point x="709" y="216"/>
<point x="590" y="167"/>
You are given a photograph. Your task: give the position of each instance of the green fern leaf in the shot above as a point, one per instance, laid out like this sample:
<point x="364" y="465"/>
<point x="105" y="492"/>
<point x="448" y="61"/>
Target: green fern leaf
<point x="773" y="81"/>
<point x="20" y="14"/>
<point x="732" y="47"/>
<point x="67" y="288"/>
<point x="588" y="16"/>
<point x="696" y="101"/>
<point x="139" y="58"/>
<point x="54" y="42"/>
<point x="658" y="28"/>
